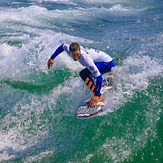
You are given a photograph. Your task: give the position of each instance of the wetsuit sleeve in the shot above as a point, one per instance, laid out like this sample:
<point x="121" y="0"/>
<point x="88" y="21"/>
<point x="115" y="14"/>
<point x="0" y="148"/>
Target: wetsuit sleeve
<point x="96" y="73"/>
<point x="90" y="65"/>
<point x="98" y="85"/>
<point x="59" y="50"/>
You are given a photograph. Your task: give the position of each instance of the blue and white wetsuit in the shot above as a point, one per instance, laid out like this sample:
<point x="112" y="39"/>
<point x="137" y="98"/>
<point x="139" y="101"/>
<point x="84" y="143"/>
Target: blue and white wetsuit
<point x="96" y="63"/>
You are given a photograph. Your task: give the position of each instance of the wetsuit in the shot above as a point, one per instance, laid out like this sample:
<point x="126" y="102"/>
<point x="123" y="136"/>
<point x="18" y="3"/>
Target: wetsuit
<point x="96" y="63"/>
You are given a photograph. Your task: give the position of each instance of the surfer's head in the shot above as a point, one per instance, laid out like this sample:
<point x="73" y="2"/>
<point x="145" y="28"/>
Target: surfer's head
<point x="74" y="51"/>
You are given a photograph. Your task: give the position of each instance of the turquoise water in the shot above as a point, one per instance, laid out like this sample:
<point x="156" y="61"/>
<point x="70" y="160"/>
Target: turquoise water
<point x="37" y="105"/>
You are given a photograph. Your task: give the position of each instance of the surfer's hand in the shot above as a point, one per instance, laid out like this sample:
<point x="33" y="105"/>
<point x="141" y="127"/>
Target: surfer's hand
<point x="50" y="63"/>
<point x="94" y="100"/>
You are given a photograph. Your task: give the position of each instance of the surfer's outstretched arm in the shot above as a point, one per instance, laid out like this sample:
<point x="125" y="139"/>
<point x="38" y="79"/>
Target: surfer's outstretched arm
<point x="55" y="54"/>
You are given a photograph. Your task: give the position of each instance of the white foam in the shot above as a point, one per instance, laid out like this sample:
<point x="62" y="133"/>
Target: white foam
<point x="38" y="157"/>
<point x="102" y="2"/>
<point x="32" y="57"/>
<point x="23" y="126"/>
<point x="119" y="9"/>
<point x="132" y="76"/>
<point x="88" y="157"/>
<point x="6" y="50"/>
<point x="28" y="15"/>
<point x="27" y="124"/>
<point x="41" y="17"/>
<point x="65" y="1"/>
<point x="32" y="54"/>
<point x="59" y="1"/>
<point x="116" y="149"/>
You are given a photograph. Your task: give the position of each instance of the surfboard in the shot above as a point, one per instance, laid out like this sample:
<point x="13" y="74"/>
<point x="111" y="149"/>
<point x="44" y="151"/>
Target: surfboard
<point x="85" y="111"/>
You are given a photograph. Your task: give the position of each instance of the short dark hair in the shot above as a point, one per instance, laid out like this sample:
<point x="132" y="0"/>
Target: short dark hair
<point x="74" y="47"/>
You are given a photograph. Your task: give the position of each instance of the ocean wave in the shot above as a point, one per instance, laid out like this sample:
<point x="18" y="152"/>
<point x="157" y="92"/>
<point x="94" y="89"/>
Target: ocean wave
<point x="37" y="105"/>
<point x="118" y="8"/>
<point x="67" y="2"/>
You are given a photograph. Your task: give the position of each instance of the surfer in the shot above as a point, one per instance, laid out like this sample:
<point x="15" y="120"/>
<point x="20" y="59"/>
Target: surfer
<point x="96" y="64"/>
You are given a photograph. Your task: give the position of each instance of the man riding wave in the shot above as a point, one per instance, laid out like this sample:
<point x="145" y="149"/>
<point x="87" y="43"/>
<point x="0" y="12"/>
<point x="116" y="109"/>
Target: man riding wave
<point x="96" y="64"/>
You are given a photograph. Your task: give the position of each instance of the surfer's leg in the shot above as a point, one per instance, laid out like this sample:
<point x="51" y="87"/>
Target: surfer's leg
<point x="104" y="67"/>
<point x="85" y="74"/>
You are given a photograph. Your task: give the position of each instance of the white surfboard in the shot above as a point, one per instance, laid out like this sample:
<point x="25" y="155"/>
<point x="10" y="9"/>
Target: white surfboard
<point x="85" y="111"/>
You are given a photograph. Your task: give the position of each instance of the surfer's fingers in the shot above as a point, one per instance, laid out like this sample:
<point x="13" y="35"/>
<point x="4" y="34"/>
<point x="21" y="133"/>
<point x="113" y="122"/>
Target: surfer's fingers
<point x="50" y="63"/>
<point x="92" y="103"/>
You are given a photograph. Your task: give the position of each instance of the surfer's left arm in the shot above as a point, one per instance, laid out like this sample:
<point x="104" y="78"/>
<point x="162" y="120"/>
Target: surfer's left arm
<point x="97" y="96"/>
<point x="59" y="50"/>
<point x="90" y="65"/>
<point x="98" y="85"/>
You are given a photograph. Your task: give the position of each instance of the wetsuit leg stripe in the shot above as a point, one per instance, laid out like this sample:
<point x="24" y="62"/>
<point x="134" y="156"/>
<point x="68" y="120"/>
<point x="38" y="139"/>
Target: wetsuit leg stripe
<point x="90" y="84"/>
<point x="93" y="88"/>
<point x="86" y="80"/>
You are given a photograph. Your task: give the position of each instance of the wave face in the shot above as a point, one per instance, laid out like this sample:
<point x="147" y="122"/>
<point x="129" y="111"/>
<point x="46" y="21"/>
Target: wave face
<point x="37" y="105"/>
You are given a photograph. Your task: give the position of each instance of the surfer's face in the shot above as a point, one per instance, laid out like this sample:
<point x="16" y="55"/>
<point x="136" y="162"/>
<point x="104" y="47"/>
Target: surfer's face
<point x="75" y="55"/>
